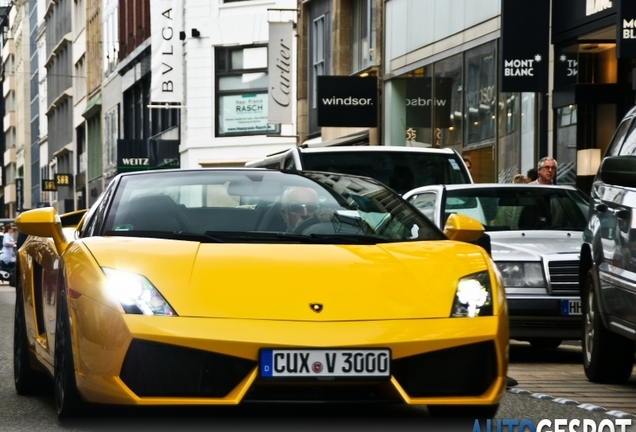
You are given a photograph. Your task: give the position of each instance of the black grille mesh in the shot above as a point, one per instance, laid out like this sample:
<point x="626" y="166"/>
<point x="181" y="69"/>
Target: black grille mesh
<point x="161" y="370"/>
<point x="564" y="277"/>
<point x="463" y="371"/>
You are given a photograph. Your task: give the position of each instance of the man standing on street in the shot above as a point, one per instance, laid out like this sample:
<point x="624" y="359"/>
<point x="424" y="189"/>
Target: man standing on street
<point x="546" y="168"/>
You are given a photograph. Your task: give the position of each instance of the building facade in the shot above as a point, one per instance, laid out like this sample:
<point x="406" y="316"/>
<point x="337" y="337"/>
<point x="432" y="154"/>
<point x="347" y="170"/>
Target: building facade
<point x="93" y="88"/>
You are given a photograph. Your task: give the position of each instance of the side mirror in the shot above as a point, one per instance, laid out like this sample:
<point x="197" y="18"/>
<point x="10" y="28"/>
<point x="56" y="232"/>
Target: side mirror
<point x="618" y="170"/>
<point x="463" y="228"/>
<point x="43" y="222"/>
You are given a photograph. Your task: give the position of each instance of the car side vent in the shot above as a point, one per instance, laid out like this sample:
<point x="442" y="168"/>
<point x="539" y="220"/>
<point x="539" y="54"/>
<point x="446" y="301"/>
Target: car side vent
<point x="154" y="369"/>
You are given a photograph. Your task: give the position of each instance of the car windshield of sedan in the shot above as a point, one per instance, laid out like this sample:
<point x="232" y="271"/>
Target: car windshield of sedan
<point x="523" y="208"/>
<point x="262" y="206"/>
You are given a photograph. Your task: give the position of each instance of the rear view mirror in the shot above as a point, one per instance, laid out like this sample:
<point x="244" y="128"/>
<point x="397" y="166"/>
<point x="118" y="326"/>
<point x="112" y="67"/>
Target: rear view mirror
<point x="618" y="171"/>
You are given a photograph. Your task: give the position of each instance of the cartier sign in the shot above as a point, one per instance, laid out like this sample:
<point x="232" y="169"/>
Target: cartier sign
<point x="280" y="61"/>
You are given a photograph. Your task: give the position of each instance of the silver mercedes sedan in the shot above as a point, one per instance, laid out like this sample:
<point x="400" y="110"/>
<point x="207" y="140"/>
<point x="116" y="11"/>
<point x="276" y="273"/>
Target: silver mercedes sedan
<point x="535" y="239"/>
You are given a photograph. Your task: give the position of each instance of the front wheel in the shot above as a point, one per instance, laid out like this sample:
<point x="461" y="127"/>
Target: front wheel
<point x="25" y="377"/>
<point x="607" y="357"/>
<point x="67" y="399"/>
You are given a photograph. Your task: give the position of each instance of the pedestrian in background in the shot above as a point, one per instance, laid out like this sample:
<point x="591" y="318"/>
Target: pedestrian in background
<point x="519" y="178"/>
<point x="546" y="169"/>
<point x="468" y="164"/>
<point x="532" y="175"/>
<point x="7" y="255"/>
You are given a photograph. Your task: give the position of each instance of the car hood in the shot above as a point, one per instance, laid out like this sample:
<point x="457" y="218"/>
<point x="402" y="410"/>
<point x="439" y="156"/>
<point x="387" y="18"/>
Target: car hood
<point x="532" y="245"/>
<point x="281" y="281"/>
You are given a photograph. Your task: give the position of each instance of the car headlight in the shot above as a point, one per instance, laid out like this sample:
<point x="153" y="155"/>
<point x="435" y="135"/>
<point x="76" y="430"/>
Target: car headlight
<point x="473" y="296"/>
<point x="520" y="274"/>
<point x="135" y="293"/>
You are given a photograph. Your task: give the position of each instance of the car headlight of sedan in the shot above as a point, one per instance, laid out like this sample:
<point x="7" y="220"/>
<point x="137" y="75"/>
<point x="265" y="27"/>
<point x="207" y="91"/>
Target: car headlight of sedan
<point x="473" y="296"/>
<point x="135" y="293"/>
<point x="521" y="274"/>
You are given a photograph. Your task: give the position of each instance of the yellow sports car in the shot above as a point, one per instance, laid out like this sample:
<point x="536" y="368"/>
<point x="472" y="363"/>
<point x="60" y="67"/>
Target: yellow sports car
<point x="219" y="286"/>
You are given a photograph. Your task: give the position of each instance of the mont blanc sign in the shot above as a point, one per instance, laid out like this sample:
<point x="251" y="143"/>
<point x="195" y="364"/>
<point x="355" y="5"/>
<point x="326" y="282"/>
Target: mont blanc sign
<point x="626" y="30"/>
<point x="524" y="60"/>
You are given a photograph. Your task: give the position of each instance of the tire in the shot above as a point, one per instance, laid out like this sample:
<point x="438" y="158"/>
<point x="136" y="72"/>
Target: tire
<point x="545" y="343"/>
<point x="607" y="357"/>
<point x="25" y="377"/>
<point x="67" y="399"/>
<point x="463" y="411"/>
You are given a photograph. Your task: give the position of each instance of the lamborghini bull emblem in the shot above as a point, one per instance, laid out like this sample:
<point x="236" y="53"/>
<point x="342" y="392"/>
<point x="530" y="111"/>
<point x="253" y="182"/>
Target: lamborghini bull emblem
<point x="316" y="307"/>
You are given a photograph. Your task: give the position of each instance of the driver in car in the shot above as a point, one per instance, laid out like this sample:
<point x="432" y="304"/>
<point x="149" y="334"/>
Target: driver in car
<point x="299" y="205"/>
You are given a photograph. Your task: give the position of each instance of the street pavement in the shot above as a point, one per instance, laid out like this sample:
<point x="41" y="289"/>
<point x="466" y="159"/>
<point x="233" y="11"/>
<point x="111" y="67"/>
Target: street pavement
<point x="559" y="374"/>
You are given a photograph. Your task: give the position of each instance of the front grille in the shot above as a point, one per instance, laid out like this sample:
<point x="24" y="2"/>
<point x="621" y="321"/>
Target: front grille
<point x="546" y="323"/>
<point x="564" y="277"/>
<point x="319" y="392"/>
<point x="463" y="371"/>
<point x="162" y="370"/>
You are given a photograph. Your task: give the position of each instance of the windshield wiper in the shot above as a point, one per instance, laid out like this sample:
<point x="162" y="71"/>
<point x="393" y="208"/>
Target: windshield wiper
<point x="334" y="238"/>
<point x="168" y="235"/>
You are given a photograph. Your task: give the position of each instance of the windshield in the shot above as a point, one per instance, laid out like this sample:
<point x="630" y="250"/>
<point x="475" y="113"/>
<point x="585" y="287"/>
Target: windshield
<point x="263" y="206"/>
<point x="402" y="171"/>
<point x="523" y="208"/>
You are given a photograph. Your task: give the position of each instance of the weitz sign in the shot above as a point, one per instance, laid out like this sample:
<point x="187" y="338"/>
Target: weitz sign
<point x="347" y="101"/>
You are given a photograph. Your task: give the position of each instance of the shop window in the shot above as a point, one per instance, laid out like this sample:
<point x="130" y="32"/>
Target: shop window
<point x="586" y="63"/>
<point x="448" y="102"/>
<point x="241" y="92"/>
<point x="111" y="135"/>
<point x="418" y="88"/>
<point x="567" y="116"/>
<point x="480" y="94"/>
<point x="566" y="139"/>
<point x="362" y="34"/>
<point x="318" y="56"/>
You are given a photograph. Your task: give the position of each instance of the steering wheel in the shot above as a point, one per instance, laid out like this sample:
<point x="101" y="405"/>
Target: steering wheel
<point x="306" y="224"/>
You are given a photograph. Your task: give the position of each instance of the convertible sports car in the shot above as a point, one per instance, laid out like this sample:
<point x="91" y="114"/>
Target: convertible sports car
<point x="220" y="286"/>
<point x="535" y="239"/>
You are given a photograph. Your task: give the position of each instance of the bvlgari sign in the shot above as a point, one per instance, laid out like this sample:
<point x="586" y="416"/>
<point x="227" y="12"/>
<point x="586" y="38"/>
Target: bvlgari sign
<point x="524" y="59"/>
<point x="166" y="51"/>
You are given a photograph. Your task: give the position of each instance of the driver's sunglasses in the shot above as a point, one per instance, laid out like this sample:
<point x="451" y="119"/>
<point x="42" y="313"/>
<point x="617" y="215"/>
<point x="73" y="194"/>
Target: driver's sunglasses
<point x="298" y="208"/>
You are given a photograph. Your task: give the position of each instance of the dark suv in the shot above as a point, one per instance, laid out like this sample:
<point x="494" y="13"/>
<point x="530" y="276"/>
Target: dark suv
<point x="608" y="262"/>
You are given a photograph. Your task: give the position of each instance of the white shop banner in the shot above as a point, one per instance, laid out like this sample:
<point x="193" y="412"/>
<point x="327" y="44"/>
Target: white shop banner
<point x="166" y="18"/>
<point x="280" y="61"/>
<point x="246" y="113"/>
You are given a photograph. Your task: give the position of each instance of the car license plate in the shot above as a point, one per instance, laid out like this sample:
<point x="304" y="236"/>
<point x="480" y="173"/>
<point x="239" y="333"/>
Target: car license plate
<point x="325" y="364"/>
<point x="570" y="307"/>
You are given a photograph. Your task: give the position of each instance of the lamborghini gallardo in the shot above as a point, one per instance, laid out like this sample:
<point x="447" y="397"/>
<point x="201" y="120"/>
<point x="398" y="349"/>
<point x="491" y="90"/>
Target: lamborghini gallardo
<point x="223" y="286"/>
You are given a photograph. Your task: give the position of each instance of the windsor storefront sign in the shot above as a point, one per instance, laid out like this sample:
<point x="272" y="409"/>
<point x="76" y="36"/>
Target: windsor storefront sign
<point x="347" y="101"/>
<point x="524" y="59"/>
